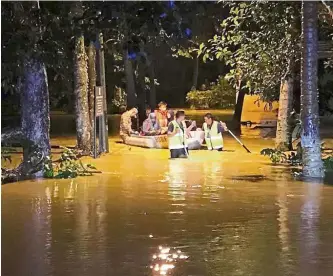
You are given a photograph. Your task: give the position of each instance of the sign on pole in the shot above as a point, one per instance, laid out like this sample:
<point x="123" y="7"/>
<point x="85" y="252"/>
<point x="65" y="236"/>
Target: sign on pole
<point x="99" y="114"/>
<point x="99" y="101"/>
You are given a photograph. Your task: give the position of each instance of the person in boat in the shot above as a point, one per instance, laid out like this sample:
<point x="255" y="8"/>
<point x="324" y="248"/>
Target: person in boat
<point x="126" y="124"/>
<point x="170" y="115"/>
<point x="148" y="111"/>
<point x="162" y="116"/>
<point x="177" y="134"/>
<point x="213" y="132"/>
<point x="150" y="126"/>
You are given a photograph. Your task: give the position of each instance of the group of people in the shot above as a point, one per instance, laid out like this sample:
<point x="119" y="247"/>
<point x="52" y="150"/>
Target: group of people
<point x="164" y="121"/>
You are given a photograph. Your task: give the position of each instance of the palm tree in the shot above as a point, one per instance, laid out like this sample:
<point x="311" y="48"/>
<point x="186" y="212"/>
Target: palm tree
<point x="310" y="139"/>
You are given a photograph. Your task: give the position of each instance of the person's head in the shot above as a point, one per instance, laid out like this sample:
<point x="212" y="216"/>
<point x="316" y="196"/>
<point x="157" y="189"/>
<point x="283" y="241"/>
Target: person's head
<point x="209" y="118"/>
<point x="180" y="115"/>
<point x="152" y="117"/>
<point x="148" y="110"/>
<point x="133" y="112"/>
<point x="162" y="106"/>
<point x="171" y="115"/>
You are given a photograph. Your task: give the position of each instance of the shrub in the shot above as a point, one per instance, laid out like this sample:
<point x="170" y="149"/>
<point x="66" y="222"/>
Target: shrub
<point x="219" y="95"/>
<point x="119" y="101"/>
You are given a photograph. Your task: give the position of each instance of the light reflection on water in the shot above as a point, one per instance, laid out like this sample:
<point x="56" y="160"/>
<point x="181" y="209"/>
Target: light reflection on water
<point x="164" y="261"/>
<point x="213" y="208"/>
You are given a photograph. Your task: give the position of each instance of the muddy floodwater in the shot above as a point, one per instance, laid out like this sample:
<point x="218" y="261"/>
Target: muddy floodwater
<point x="228" y="213"/>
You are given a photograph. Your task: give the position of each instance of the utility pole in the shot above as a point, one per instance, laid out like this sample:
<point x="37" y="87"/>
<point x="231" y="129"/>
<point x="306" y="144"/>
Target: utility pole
<point x="100" y="81"/>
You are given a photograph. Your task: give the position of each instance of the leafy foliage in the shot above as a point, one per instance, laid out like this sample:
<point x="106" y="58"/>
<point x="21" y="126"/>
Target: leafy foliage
<point x="295" y="159"/>
<point x="219" y="95"/>
<point x="6" y="154"/>
<point x="325" y="86"/>
<point x="278" y="156"/>
<point x="275" y="155"/>
<point x="328" y="163"/>
<point x="119" y="101"/>
<point x="69" y="166"/>
<point x="259" y="41"/>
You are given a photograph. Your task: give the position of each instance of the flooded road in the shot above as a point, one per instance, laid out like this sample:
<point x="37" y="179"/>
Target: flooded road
<point x="228" y="213"/>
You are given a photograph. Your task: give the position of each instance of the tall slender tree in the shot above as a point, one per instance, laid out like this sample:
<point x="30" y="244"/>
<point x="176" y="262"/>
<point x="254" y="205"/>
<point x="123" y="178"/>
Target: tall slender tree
<point x="24" y="69"/>
<point x="310" y="138"/>
<point x="91" y="86"/>
<point x="83" y="125"/>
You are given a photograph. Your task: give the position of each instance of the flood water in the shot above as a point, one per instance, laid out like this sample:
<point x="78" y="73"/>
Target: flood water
<point x="228" y="213"/>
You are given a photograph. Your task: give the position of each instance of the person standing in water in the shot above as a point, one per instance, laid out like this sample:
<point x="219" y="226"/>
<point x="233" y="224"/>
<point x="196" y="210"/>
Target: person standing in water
<point x="213" y="132"/>
<point x="177" y="134"/>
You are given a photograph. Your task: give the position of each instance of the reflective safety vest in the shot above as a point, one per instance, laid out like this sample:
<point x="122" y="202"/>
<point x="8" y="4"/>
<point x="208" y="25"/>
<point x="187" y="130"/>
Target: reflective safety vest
<point x="214" y="140"/>
<point x="179" y="139"/>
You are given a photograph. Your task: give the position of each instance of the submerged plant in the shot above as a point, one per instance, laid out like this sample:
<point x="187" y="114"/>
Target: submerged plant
<point x="328" y="163"/>
<point x="67" y="166"/>
<point x="275" y="155"/>
<point x="295" y="158"/>
<point x="6" y="154"/>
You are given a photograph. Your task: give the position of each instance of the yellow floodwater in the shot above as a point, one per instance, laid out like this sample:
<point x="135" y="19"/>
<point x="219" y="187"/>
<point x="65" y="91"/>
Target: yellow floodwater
<point x="229" y="213"/>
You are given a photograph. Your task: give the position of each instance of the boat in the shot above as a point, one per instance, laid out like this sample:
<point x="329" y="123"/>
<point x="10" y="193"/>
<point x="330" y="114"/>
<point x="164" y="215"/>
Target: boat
<point x="161" y="141"/>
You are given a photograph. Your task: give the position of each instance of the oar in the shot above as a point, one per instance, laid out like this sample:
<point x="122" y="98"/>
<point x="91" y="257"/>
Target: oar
<point x="233" y="135"/>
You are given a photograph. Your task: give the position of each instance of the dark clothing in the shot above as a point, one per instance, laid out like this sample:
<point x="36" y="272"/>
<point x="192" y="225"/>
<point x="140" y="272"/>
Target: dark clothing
<point x="177" y="153"/>
<point x="171" y="128"/>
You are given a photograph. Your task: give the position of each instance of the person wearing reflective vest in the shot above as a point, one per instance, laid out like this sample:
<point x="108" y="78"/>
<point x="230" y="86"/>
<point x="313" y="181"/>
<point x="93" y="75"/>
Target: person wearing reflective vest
<point x="213" y="132"/>
<point x="177" y="136"/>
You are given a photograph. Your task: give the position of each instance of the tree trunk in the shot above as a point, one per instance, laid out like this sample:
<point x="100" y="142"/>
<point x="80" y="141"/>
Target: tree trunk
<point x="240" y="94"/>
<point x="83" y="126"/>
<point x="283" y="131"/>
<point x="141" y="91"/>
<point x="130" y="83"/>
<point x="310" y="139"/>
<point x="152" y="91"/>
<point x="195" y="73"/>
<point x="35" y="112"/>
<point x="91" y="87"/>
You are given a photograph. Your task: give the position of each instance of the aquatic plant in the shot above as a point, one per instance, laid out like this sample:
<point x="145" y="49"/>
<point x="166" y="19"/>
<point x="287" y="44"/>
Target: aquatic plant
<point x="6" y="154"/>
<point x="328" y="163"/>
<point x="275" y="155"/>
<point x="295" y="158"/>
<point x="67" y="166"/>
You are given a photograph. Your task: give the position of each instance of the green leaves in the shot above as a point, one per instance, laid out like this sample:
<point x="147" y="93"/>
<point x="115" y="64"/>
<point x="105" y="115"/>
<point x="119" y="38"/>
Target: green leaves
<point x="275" y="155"/>
<point x="219" y="95"/>
<point x="259" y="40"/>
<point x="68" y="166"/>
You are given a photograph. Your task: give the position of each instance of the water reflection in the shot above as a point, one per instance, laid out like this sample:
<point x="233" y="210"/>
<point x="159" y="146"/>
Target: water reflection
<point x="166" y="260"/>
<point x="176" y="178"/>
<point x="230" y="217"/>
<point x="282" y="218"/>
<point x="309" y="227"/>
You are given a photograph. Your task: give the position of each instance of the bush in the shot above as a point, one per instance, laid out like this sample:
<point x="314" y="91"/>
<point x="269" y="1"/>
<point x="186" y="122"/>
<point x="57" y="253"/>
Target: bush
<point x="119" y="101"/>
<point x="219" y="95"/>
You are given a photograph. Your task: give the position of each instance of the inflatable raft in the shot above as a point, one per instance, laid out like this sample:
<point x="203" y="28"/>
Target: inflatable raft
<point x="161" y="141"/>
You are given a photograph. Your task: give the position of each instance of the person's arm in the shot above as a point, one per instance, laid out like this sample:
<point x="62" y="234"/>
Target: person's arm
<point x="172" y="131"/>
<point x="221" y="127"/>
<point x="193" y="124"/>
<point x="145" y="126"/>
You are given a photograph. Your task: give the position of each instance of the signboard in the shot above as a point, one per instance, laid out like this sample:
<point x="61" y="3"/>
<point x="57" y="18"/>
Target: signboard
<point x="99" y="101"/>
<point x="100" y="117"/>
